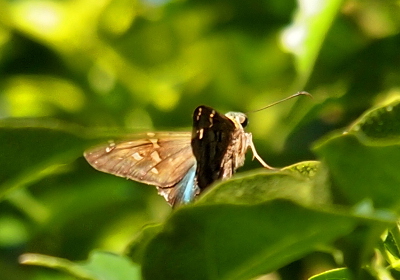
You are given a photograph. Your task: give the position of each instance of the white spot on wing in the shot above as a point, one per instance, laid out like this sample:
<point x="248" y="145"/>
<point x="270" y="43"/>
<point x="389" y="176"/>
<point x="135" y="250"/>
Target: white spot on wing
<point x="137" y="156"/>
<point x="155" y="156"/>
<point x="211" y="118"/>
<point x="109" y="149"/>
<point x="201" y="131"/>
<point x="111" y="146"/>
<point x="154" y="170"/>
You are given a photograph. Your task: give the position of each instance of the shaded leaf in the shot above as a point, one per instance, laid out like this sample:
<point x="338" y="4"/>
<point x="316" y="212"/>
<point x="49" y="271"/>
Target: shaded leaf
<point x="380" y="123"/>
<point x="32" y="149"/>
<point x="136" y="249"/>
<point x="363" y="162"/>
<point x="240" y="241"/>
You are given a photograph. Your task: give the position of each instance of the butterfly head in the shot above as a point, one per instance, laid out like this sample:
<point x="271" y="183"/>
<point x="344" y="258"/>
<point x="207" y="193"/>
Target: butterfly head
<point x="238" y="118"/>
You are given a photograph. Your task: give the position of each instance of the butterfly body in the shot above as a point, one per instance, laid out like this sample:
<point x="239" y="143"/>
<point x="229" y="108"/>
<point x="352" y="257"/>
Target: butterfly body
<point x="181" y="165"/>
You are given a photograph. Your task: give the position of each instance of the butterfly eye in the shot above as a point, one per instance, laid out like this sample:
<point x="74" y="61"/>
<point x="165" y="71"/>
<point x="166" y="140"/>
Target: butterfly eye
<point x="244" y="121"/>
<point x="238" y="118"/>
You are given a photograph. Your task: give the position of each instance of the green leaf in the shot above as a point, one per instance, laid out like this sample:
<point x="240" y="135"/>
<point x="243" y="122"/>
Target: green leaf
<point x="379" y="124"/>
<point x="99" y="266"/>
<point x="32" y="148"/>
<point x="307" y="169"/>
<point x="241" y="241"/>
<point x="298" y="182"/>
<point x="391" y="244"/>
<point x="307" y="33"/>
<point x="363" y="162"/>
<point x="334" y="274"/>
<point x="136" y="249"/>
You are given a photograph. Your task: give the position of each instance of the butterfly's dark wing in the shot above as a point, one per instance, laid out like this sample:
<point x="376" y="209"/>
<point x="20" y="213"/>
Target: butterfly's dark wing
<point x="211" y="137"/>
<point x="162" y="159"/>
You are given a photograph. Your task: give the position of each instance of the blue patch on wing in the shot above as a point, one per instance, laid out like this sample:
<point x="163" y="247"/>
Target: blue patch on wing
<point x="187" y="189"/>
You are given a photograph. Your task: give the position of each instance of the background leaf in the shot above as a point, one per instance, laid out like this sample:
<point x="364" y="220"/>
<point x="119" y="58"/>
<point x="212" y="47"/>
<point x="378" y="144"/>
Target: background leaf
<point x="363" y="161"/>
<point x="41" y="144"/>
<point x="340" y="273"/>
<point x="100" y="265"/>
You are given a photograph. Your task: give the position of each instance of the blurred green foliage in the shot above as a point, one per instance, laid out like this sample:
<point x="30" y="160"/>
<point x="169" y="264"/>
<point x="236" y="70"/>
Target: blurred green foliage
<point x="75" y="72"/>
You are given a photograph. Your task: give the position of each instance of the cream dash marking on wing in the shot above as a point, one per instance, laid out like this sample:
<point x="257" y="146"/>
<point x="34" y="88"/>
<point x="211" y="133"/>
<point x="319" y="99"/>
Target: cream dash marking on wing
<point x="199" y="114"/>
<point x="154" y="170"/>
<point x="155" y="156"/>
<point x="211" y="118"/>
<point x="200" y="132"/>
<point x="137" y="156"/>
<point x="154" y="141"/>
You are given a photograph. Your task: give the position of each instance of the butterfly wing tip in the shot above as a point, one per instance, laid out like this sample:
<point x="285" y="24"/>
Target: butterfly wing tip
<point x="87" y="154"/>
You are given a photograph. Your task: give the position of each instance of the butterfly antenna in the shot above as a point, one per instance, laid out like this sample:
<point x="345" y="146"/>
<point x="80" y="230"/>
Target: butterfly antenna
<point x="284" y="99"/>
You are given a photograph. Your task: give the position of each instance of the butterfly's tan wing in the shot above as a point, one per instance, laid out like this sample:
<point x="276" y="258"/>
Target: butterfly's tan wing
<point x="160" y="159"/>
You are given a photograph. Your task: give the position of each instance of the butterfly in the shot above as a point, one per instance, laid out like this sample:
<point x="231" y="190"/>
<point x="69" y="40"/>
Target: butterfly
<point x="182" y="164"/>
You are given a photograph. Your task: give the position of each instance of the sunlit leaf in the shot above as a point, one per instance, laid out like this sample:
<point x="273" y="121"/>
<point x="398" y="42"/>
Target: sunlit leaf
<point x="99" y="266"/>
<point x="296" y="182"/>
<point x="335" y="274"/>
<point x="305" y="36"/>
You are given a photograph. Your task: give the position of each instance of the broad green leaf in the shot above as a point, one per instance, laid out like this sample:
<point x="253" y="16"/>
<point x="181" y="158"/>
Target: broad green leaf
<point x="363" y="162"/>
<point x="296" y="182"/>
<point x="99" y="266"/>
<point x="241" y="241"/>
